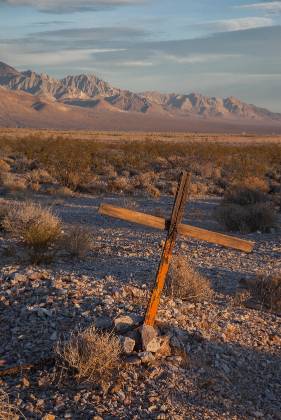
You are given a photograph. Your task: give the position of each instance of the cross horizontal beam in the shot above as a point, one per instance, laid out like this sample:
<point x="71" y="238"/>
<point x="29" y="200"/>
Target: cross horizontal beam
<point x="183" y="229"/>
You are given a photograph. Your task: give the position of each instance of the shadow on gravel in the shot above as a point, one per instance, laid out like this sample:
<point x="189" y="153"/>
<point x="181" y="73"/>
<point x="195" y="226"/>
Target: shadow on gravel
<point x="233" y="379"/>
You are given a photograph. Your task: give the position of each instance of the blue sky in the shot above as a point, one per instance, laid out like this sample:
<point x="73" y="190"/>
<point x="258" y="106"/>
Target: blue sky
<point x="217" y="47"/>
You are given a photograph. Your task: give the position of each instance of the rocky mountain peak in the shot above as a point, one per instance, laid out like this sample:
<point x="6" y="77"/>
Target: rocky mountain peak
<point x="7" y="72"/>
<point x="89" y="91"/>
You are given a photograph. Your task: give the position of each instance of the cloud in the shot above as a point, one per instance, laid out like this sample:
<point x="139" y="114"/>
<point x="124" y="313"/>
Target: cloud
<point x="70" y="6"/>
<point x="198" y="58"/>
<point x="55" y="58"/>
<point x="271" y="6"/>
<point x="239" y="24"/>
<point x="112" y="33"/>
<point x="134" y="64"/>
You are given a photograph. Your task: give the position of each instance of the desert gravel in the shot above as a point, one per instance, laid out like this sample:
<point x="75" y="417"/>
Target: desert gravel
<point x="225" y="352"/>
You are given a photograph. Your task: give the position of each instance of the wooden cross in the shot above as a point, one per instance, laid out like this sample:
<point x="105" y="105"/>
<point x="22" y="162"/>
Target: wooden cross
<point x="174" y="227"/>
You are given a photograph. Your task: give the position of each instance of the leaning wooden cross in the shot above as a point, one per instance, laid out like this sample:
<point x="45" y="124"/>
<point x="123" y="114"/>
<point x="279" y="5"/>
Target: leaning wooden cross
<point x="174" y="227"/>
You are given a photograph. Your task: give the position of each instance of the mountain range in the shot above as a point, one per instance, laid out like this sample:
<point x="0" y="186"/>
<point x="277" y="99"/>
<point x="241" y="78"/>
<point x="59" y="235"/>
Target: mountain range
<point x="30" y="99"/>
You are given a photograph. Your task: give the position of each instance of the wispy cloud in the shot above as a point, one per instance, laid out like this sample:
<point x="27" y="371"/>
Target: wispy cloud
<point x="70" y="6"/>
<point x="105" y="33"/>
<point x="134" y="64"/>
<point x="56" y="58"/>
<point x="271" y="6"/>
<point x="239" y="24"/>
<point x="198" y="58"/>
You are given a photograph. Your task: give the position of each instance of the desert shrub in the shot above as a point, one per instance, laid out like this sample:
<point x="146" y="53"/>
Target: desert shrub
<point x="4" y="166"/>
<point x="198" y="188"/>
<point x="244" y="196"/>
<point x="96" y="186"/>
<point x="93" y="355"/>
<point x="120" y="184"/>
<point x="4" y="208"/>
<point x="267" y="291"/>
<point x="12" y="182"/>
<point x="186" y="283"/>
<point x="38" y="227"/>
<point x="78" y="241"/>
<point x="207" y="170"/>
<point x="22" y="164"/>
<point x="39" y="175"/>
<point x="145" y="179"/>
<point x="246" y="219"/>
<point x="153" y="191"/>
<point x="245" y="209"/>
<point x="256" y="183"/>
<point x="8" y="411"/>
<point x="62" y="192"/>
<point x="73" y="161"/>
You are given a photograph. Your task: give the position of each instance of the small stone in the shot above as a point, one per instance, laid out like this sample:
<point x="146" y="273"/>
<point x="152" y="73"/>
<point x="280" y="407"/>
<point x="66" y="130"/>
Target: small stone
<point x="128" y="344"/>
<point x="150" y="341"/>
<point x="103" y="323"/>
<point x="146" y="357"/>
<point x="133" y="360"/>
<point x="54" y="336"/>
<point x="124" y="322"/>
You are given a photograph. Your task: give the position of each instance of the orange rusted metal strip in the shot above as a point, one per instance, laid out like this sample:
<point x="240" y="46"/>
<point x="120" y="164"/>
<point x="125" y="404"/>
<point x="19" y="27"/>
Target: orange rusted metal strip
<point x="176" y="218"/>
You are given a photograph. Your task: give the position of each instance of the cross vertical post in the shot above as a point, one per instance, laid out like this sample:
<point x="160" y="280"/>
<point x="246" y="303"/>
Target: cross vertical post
<point x="176" y="218"/>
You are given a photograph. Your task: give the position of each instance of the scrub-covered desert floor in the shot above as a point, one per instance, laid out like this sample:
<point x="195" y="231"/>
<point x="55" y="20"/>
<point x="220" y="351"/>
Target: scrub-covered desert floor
<point x="218" y="350"/>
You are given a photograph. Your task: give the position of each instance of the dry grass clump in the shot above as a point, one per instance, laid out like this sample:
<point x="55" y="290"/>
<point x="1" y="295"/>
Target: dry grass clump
<point x="186" y="283"/>
<point x="13" y="182"/>
<point x="91" y="354"/>
<point x="7" y="410"/>
<point x="198" y="188"/>
<point x="267" y="291"/>
<point x="38" y="227"/>
<point x="153" y="191"/>
<point x="39" y="175"/>
<point x="4" y="166"/>
<point x="77" y="241"/>
<point x="256" y="183"/>
<point x="4" y="208"/>
<point x="120" y="184"/>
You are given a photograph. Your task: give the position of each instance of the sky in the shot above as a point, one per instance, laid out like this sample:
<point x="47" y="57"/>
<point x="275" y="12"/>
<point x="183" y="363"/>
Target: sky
<point x="215" y="47"/>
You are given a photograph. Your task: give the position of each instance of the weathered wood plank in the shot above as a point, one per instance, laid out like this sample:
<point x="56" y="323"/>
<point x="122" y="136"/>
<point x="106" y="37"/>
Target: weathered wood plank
<point x="183" y="229"/>
<point x="133" y="216"/>
<point x="216" y="238"/>
<point x="176" y="217"/>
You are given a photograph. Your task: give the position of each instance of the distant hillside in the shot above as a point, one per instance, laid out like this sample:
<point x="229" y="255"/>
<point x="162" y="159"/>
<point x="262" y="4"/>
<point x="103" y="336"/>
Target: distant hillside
<point x="90" y="100"/>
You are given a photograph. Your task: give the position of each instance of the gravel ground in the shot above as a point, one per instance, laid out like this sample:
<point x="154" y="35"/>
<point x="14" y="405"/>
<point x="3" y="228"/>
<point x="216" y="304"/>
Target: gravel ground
<point x="225" y="360"/>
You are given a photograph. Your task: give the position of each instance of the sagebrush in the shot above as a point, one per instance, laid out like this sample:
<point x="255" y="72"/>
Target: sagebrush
<point x="267" y="291"/>
<point x="78" y="241"/>
<point x="185" y="282"/>
<point x="37" y="226"/>
<point x="91" y="354"/>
